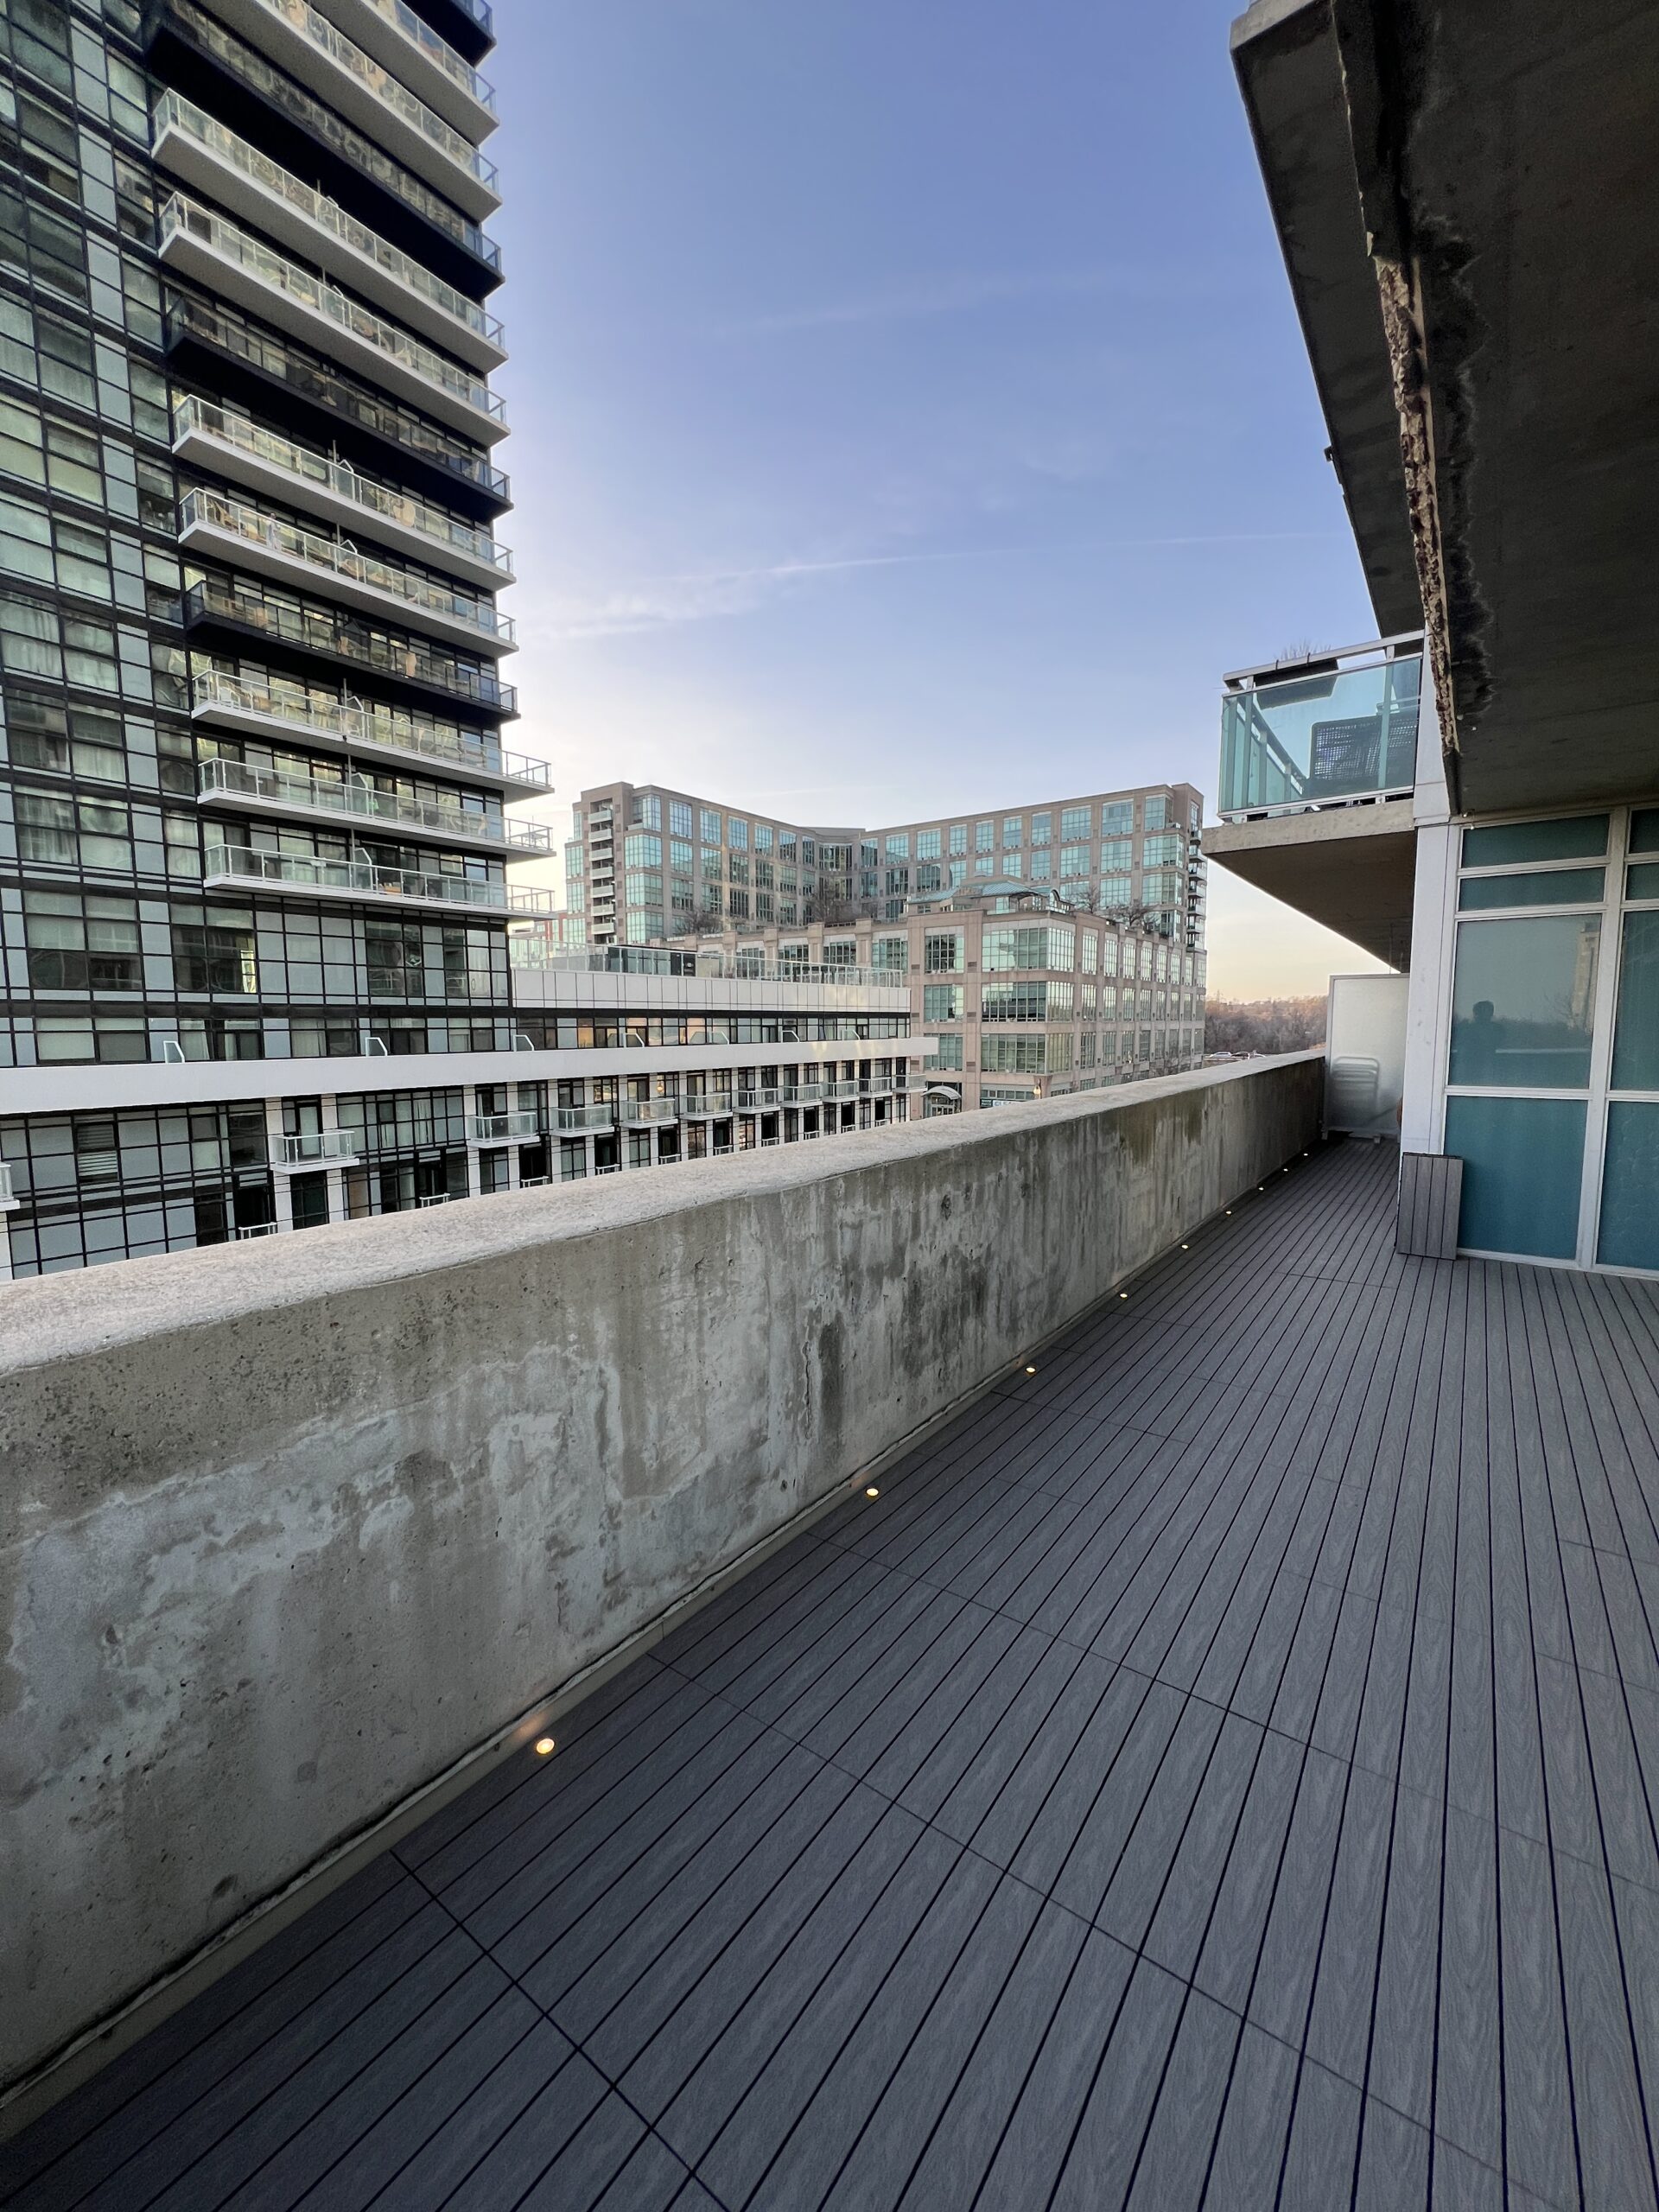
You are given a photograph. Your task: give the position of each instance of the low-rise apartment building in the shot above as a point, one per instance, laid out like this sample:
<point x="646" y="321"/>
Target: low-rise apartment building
<point x="1028" y="997"/>
<point x="605" y="1062"/>
<point x="644" y="863"/>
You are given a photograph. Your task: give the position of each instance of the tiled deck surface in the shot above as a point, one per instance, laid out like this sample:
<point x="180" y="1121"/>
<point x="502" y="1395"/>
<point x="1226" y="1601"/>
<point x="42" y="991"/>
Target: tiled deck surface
<point x="1216" y="1771"/>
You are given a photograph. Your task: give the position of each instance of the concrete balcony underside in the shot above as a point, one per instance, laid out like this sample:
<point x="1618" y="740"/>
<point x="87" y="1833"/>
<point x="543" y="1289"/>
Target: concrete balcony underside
<point x="1214" y="1761"/>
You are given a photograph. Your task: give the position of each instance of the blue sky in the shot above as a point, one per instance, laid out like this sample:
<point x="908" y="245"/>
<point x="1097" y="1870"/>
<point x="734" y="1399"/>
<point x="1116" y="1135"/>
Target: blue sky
<point x="909" y="410"/>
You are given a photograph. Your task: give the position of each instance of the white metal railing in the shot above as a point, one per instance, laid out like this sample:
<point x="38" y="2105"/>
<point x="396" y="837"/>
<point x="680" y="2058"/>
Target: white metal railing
<point x="353" y="724"/>
<point x="359" y="800"/>
<point x="572" y="1120"/>
<point x="184" y="217"/>
<point x="437" y="50"/>
<point x="517" y="1127"/>
<point x="434" y="1199"/>
<point x="397" y="97"/>
<point x="651" y="1110"/>
<point x="320" y="1148"/>
<point x="354" y="878"/>
<point x="256" y="1228"/>
<point x="171" y="111"/>
<point x="337" y="557"/>
<point x="449" y="532"/>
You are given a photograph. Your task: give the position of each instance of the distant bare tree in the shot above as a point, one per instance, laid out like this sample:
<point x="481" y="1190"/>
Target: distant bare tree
<point x="1263" y="1025"/>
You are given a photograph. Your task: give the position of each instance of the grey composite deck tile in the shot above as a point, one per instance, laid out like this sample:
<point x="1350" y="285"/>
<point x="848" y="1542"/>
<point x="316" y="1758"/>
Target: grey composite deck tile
<point x="947" y="2163"/>
<point x="649" y="1897"/>
<point x="1219" y="1768"/>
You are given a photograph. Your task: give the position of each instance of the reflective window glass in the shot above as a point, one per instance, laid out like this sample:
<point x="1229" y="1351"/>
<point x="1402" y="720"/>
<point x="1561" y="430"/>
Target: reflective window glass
<point x="1561" y="886"/>
<point x="1636" y="1033"/>
<point x="1524" y="1002"/>
<point x="1629" y="1188"/>
<point x="1523" y="1161"/>
<point x="1498" y="845"/>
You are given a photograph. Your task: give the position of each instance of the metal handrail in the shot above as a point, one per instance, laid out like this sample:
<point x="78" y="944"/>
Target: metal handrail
<point x="307" y="467"/>
<point x="173" y="111"/>
<point x="332" y="557"/>
<point x="182" y="216"/>
<point x="355" y="725"/>
<point x="397" y="97"/>
<point x="358" y="877"/>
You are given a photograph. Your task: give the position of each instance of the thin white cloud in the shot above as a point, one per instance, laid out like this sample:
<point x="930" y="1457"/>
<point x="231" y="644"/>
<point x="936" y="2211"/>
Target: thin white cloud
<point x="664" y="601"/>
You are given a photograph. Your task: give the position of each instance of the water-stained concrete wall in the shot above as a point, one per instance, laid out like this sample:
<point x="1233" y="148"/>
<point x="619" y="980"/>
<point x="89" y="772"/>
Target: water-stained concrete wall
<point x="286" y="1530"/>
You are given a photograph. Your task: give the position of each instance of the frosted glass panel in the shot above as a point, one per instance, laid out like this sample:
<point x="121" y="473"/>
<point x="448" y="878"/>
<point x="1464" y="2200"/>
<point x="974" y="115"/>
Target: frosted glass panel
<point x="1629" y="1188"/>
<point x="1365" y="1053"/>
<point x="1636" y="1033"/>
<point x="1525" y="1001"/>
<point x="1523" y="1165"/>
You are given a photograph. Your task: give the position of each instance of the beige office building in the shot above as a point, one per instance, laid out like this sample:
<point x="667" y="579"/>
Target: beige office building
<point x="1028" y="997"/>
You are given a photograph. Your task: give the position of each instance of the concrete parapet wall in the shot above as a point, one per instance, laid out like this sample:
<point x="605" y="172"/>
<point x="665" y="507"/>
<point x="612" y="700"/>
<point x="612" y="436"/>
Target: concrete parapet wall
<point x="286" y="1530"/>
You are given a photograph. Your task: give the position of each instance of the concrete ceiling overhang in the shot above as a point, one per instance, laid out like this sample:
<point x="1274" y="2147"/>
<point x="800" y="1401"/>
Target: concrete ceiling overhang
<point x="1348" y="867"/>
<point x="1503" y="163"/>
<point x="1285" y="52"/>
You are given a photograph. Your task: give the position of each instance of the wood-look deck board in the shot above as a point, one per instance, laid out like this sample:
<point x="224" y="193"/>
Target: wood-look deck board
<point x="1220" y="1769"/>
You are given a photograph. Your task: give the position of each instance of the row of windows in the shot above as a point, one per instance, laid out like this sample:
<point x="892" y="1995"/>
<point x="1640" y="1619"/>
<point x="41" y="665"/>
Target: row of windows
<point x="945" y="952"/>
<point x="1076" y="823"/>
<point x="62" y="1039"/>
<point x="76" y="940"/>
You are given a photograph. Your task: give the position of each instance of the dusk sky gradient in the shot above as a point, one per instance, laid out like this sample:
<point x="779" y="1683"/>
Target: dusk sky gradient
<point x="909" y="410"/>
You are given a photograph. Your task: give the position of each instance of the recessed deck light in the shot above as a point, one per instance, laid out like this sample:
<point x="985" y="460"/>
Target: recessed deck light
<point x="543" y="1746"/>
<point x="872" y="1491"/>
<point x="1122" y="1294"/>
<point x="1031" y="1371"/>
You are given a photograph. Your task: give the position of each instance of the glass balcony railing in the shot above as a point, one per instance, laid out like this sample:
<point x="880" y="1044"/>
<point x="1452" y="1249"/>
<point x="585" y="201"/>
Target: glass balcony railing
<point x="329" y="558"/>
<point x="572" y="1120"/>
<point x="1325" y="731"/>
<point x="379" y="502"/>
<point x="436" y="50"/>
<point x="280" y="91"/>
<point x="522" y="1127"/>
<point x="352" y="799"/>
<point x="182" y="217"/>
<point x="348" y="722"/>
<point x="397" y="269"/>
<point x="644" y="1111"/>
<point x="311" y="377"/>
<point x="319" y="1148"/>
<point x="396" y="98"/>
<point x="352" y="878"/>
<point x="335" y="632"/>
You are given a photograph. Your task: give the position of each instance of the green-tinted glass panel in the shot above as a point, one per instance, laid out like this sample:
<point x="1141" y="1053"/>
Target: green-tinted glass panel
<point x="1644" y="830"/>
<point x="1523" y="1001"/>
<point x="1629" y="1188"/>
<point x="1503" y="844"/>
<point x="1642" y="883"/>
<point x="1636" y="1033"/>
<point x="1561" y="886"/>
<point x="1522" y="1163"/>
